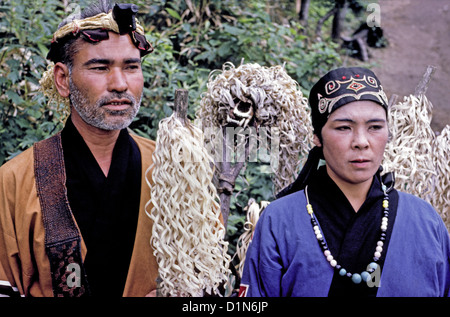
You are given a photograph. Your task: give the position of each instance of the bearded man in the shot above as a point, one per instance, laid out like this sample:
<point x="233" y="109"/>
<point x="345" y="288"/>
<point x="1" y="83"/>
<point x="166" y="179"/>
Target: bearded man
<point x="72" y="207"/>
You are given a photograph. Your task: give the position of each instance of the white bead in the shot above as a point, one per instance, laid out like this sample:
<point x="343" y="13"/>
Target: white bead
<point x="380" y="243"/>
<point x="316" y="232"/>
<point x="384" y="219"/>
<point x="319" y="236"/>
<point x="315" y="228"/>
<point x="327" y="252"/>
<point x="377" y="254"/>
<point x="379" y="249"/>
<point x="333" y="263"/>
<point x="383" y="227"/>
<point x="330" y="258"/>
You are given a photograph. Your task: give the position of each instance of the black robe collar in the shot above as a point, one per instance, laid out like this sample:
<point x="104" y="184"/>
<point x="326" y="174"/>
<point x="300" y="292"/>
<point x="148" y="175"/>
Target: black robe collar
<point x="105" y="208"/>
<point x="351" y="236"/>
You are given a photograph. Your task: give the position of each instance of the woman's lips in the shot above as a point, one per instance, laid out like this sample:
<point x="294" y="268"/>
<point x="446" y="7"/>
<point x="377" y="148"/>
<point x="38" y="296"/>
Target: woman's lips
<point x="360" y="163"/>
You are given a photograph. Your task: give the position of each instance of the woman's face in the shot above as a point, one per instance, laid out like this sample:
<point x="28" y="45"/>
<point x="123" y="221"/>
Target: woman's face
<point x="354" y="139"/>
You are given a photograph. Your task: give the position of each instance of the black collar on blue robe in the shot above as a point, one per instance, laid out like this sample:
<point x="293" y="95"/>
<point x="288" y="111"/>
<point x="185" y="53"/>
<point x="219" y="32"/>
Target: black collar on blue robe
<point x="351" y="236"/>
<point x="106" y="208"/>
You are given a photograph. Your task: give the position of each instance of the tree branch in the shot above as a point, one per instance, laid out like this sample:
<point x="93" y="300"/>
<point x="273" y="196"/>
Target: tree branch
<point x="322" y="21"/>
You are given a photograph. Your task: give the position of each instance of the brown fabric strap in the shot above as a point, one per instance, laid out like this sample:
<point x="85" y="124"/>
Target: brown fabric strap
<point x="62" y="238"/>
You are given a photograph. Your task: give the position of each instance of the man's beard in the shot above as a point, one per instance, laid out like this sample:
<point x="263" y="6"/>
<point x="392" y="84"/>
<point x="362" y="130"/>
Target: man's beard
<point x="100" y="117"/>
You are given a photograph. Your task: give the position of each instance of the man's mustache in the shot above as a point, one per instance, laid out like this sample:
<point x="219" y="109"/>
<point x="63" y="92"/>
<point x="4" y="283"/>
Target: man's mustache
<point x="123" y="97"/>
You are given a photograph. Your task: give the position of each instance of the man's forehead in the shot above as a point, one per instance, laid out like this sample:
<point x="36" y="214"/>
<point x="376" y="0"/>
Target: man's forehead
<point x="116" y="48"/>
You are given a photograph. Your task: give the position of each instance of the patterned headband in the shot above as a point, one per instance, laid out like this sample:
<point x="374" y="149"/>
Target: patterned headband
<point x="340" y="87"/>
<point x="121" y="19"/>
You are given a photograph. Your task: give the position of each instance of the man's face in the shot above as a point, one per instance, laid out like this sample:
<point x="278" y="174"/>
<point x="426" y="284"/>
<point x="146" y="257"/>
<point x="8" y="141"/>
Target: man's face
<point x="106" y="82"/>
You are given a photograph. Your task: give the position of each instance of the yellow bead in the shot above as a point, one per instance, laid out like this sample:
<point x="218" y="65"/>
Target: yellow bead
<point x="385" y="204"/>
<point x="309" y="209"/>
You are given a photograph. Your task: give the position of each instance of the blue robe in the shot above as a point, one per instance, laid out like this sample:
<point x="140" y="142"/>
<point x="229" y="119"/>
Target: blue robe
<point x="285" y="259"/>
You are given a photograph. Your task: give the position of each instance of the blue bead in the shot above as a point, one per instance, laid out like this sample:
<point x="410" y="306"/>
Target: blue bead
<point x="342" y="272"/>
<point x="365" y="276"/>
<point x="373" y="265"/>
<point x="356" y="278"/>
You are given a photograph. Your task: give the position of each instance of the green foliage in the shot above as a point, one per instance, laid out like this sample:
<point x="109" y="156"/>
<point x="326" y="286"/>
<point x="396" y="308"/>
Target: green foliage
<point x="24" y="118"/>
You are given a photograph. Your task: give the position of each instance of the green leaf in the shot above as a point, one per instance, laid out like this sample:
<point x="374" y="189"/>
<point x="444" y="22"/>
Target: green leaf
<point x="173" y="13"/>
<point x="224" y="49"/>
<point x="15" y="98"/>
<point x="233" y="30"/>
<point x="208" y="55"/>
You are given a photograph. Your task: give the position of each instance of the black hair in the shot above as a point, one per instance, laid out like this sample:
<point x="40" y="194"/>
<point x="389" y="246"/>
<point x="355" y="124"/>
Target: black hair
<point x="66" y="51"/>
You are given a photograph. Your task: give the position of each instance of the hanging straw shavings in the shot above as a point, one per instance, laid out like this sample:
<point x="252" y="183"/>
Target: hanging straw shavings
<point x="441" y="191"/>
<point x="254" y="211"/>
<point x="187" y="234"/>
<point x="409" y="152"/>
<point x="56" y="102"/>
<point x="263" y="97"/>
<point x="419" y="158"/>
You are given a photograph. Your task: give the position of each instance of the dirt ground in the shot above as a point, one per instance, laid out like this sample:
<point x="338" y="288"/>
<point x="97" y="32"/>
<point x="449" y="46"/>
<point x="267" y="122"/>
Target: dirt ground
<point x="418" y="33"/>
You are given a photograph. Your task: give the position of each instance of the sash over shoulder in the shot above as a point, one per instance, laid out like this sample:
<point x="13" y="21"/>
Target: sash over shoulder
<point x="62" y="238"/>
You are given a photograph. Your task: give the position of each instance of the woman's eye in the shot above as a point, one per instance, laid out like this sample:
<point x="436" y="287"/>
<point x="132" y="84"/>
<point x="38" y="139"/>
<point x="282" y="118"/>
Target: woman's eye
<point x="376" y="127"/>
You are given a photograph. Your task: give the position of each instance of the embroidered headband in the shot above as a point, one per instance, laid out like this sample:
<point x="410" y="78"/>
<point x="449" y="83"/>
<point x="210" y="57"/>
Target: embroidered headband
<point x="334" y="90"/>
<point x="121" y="19"/>
<point x="340" y="87"/>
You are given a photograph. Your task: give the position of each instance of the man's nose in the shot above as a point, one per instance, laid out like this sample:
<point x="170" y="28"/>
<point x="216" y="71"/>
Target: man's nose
<point x="117" y="81"/>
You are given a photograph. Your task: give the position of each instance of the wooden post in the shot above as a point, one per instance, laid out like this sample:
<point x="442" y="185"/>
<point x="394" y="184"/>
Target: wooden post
<point x="229" y="172"/>
<point x="392" y="100"/>
<point x="422" y="87"/>
<point x="181" y="104"/>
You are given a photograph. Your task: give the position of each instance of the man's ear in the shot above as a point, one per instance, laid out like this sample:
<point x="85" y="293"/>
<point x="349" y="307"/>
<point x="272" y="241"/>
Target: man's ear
<point x="61" y="77"/>
<point x="316" y="141"/>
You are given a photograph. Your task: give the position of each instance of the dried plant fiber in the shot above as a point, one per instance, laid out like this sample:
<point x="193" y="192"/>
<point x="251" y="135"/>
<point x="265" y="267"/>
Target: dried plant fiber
<point x="187" y="234"/>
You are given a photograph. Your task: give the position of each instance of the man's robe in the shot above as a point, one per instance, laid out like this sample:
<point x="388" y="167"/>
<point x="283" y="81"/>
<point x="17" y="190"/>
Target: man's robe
<point x="24" y="264"/>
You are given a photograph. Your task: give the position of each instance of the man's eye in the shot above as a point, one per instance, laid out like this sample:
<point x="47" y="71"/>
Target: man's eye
<point x="99" y="68"/>
<point x="133" y="67"/>
<point x="343" y="128"/>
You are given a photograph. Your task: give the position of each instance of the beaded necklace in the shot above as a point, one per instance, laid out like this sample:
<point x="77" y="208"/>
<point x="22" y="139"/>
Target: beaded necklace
<point x="355" y="277"/>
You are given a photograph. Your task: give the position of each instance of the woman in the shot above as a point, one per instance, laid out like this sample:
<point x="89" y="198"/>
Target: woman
<point x="341" y="229"/>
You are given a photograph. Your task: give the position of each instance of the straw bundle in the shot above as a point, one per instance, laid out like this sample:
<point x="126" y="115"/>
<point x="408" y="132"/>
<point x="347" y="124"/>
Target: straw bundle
<point x="408" y="153"/>
<point x="419" y="158"/>
<point x="441" y="191"/>
<point x="257" y="96"/>
<point x="254" y="211"/>
<point x="187" y="234"/>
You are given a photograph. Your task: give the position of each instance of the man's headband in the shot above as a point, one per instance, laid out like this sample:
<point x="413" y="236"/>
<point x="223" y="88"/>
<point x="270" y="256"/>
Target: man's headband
<point x="340" y="87"/>
<point x="121" y="19"/>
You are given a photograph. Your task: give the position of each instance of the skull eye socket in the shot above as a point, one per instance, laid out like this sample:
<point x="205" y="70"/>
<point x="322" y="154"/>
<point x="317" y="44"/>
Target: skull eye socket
<point x="244" y="107"/>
